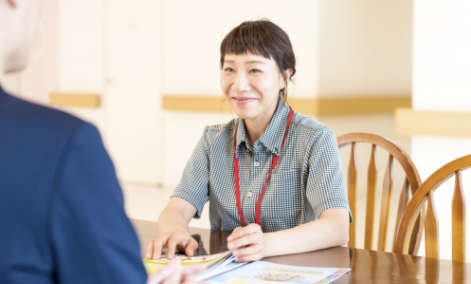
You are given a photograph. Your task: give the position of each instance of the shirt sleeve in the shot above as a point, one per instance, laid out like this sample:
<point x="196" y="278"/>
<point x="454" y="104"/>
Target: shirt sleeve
<point x="92" y="239"/>
<point x="326" y="182"/>
<point x="194" y="185"/>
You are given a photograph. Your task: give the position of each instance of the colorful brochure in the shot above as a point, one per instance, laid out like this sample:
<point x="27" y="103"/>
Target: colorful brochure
<point x="216" y="263"/>
<point x="221" y="268"/>
<point x="262" y="272"/>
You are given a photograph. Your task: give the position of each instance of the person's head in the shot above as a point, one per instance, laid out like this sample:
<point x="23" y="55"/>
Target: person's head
<point x="18" y="25"/>
<point x="257" y="61"/>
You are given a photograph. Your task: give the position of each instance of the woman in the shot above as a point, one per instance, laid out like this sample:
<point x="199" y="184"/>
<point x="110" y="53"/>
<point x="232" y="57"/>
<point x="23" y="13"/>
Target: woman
<point x="272" y="176"/>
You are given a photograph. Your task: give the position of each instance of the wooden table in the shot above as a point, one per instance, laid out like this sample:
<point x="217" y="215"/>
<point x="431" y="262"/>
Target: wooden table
<point x="367" y="266"/>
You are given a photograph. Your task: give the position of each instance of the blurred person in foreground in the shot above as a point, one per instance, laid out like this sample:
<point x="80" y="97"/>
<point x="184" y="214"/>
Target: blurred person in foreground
<point x="61" y="207"/>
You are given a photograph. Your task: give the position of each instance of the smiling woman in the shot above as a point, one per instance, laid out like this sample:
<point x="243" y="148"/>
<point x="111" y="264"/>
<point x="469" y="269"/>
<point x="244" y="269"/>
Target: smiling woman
<point x="251" y="84"/>
<point x="271" y="175"/>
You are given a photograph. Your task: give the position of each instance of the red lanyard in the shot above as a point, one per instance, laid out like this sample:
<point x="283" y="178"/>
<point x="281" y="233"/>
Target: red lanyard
<point x="273" y="165"/>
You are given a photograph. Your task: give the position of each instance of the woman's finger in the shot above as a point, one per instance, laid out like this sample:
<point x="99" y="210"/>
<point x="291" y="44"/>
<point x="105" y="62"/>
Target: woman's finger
<point x="159" y="243"/>
<point x="174" y="241"/>
<point x="191" y="247"/>
<point x="242" y="231"/>
<point x="243" y="241"/>
<point x="150" y="250"/>
<point x="248" y="250"/>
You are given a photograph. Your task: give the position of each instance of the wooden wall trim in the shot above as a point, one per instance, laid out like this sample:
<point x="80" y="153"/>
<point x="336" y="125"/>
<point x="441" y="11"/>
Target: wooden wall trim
<point x="362" y="104"/>
<point x="307" y="106"/>
<point x="410" y="122"/>
<point x="195" y="103"/>
<point x="90" y="100"/>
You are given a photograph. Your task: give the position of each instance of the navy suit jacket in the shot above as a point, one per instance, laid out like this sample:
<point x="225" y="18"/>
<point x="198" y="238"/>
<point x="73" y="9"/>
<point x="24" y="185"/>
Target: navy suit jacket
<point x="62" y="217"/>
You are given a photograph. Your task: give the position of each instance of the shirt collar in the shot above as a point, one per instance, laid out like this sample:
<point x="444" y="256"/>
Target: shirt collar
<point x="273" y="134"/>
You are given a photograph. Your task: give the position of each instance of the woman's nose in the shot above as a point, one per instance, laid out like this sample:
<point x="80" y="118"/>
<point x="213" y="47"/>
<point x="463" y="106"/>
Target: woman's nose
<point x="241" y="83"/>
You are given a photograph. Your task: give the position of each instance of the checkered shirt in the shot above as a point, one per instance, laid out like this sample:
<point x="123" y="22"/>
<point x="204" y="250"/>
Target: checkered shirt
<point x="307" y="180"/>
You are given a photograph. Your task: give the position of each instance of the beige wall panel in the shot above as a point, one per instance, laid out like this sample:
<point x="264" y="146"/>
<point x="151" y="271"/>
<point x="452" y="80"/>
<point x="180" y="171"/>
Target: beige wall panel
<point x="81" y="51"/>
<point x="133" y="88"/>
<point x="365" y="48"/>
<point x="81" y="56"/>
<point x="193" y="31"/>
<point x="362" y="105"/>
<point x="433" y="123"/>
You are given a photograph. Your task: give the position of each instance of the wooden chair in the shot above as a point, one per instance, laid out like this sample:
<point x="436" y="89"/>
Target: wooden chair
<point x="458" y="212"/>
<point x="411" y="183"/>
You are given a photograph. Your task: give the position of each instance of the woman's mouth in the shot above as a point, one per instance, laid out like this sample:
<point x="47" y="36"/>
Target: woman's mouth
<point x="242" y="100"/>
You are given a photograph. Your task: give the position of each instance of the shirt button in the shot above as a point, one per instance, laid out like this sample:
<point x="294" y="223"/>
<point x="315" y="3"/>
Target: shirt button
<point x="256" y="164"/>
<point x="249" y="194"/>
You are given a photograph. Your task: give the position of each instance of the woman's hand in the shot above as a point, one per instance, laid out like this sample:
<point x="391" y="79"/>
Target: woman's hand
<point x="247" y="243"/>
<point x="172" y="230"/>
<point x="176" y="240"/>
<point x="175" y="273"/>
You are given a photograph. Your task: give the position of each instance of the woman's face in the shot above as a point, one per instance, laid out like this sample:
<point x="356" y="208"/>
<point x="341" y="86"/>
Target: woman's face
<point x="251" y="84"/>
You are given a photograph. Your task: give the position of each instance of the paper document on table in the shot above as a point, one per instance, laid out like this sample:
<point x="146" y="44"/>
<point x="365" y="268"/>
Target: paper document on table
<point x="262" y="272"/>
<point x="216" y="263"/>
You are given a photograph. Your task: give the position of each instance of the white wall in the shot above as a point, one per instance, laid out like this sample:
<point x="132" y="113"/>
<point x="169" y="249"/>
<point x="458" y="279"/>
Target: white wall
<point x="41" y="74"/>
<point x="442" y="57"/>
<point x="193" y="31"/>
<point x="133" y="66"/>
<point x="110" y="48"/>
<point x="81" y="55"/>
<point x="365" y="47"/>
<point x="81" y="45"/>
<point x="441" y="80"/>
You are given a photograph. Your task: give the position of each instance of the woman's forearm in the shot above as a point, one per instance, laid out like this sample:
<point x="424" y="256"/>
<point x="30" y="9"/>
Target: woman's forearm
<point x="176" y="215"/>
<point x="330" y="230"/>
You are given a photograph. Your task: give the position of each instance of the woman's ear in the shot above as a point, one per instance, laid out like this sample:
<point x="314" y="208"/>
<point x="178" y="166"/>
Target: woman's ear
<point x="284" y="78"/>
<point x="287" y="74"/>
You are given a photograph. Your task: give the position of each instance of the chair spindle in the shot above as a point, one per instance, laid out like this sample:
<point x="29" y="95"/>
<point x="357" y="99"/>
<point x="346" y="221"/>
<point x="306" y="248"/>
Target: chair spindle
<point x="352" y="193"/>
<point x="458" y="221"/>
<point x="385" y="204"/>
<point x="371" y="199"/>
<point x="431" y="229"/>
<point x="402" y="202"/>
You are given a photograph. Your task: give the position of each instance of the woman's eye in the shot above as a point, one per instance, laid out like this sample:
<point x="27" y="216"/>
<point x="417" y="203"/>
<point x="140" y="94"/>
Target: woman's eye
<point x="255" y="71"/>
<point x="228" y="69"/>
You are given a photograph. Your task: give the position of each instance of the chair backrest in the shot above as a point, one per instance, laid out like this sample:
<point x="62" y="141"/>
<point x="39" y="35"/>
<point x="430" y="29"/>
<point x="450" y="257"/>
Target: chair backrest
<point x="411" y="183"/>
<point x="458" y="212"/>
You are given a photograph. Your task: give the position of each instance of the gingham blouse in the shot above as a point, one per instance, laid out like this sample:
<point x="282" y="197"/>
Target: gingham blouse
<point x="307" y="180"/>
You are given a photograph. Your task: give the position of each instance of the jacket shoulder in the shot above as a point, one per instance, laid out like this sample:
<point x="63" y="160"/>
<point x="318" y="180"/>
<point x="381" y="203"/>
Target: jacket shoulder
<point x="26" y="115"/>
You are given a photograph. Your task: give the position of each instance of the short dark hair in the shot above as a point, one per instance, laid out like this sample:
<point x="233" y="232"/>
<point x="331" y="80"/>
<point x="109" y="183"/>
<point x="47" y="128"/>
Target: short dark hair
<point x="261" y="37"/>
